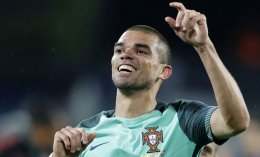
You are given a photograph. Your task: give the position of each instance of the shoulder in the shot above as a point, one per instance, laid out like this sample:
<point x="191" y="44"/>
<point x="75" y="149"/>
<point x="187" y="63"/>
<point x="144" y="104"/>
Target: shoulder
<point x="180" y="104"/>
<point x="187" y="108"/>
<point x="183" y="103"/>
<point x="93" y="121"/>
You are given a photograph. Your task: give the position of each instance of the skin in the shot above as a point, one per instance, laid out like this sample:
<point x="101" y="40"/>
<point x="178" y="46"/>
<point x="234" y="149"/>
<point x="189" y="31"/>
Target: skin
<point x="136" y="91"/>
<point x="210" y="150"/>
<point x="232" y="116"/>
<point x="140" y="86"/>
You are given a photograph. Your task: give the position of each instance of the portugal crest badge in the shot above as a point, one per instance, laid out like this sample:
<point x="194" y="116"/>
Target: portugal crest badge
<point x="152" y="138"/>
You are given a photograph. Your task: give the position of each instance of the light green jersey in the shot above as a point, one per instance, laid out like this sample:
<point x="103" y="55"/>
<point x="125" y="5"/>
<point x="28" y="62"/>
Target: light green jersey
<point x="178" y="129"/>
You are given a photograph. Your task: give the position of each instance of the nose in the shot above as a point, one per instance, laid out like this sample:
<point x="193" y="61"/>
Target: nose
<point x="126" y="55"/>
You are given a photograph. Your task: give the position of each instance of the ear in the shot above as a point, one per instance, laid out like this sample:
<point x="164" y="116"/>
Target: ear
<point x="166" y="72"/>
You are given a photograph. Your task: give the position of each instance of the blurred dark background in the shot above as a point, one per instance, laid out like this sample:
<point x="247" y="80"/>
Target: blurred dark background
<point x="55" y="56"/>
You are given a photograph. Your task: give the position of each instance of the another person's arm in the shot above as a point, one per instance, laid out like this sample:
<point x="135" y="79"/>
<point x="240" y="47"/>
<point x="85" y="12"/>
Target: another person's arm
<point x="232" y="116"/>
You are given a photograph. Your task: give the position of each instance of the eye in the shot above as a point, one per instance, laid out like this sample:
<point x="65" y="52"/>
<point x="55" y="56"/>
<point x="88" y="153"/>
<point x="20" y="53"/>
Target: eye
<point x="141" y="52"/>
<point x="118" y="50"/>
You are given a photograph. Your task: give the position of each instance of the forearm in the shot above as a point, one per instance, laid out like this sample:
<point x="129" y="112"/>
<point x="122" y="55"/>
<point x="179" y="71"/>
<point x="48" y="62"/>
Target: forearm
<point x="232" y="107"/>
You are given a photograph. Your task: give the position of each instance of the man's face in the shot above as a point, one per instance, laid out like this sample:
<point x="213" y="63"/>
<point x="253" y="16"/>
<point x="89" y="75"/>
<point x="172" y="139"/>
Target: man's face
<point x="135" y="63"/>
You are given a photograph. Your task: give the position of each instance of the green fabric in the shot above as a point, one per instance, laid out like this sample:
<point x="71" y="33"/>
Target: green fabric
<point x="151" y="135"/>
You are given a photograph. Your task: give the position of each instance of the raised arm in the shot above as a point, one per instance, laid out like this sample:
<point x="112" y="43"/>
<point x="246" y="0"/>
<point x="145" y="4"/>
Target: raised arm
<point x="232" y="116"/>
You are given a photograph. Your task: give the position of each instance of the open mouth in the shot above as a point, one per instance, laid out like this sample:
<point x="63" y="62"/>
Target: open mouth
<point x="126" y="68"/>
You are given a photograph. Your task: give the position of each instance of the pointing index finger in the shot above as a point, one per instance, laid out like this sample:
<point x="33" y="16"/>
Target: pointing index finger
<point x="178" y="6"/>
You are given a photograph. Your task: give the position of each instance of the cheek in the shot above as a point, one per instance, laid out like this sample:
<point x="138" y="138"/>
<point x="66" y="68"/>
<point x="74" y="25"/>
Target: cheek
<point x="150" y="69"/>
<point x="155" y="68"/>
<point x="149" y="63"/>
<point x="113" y="65"/>
<point x="113" y="61"/>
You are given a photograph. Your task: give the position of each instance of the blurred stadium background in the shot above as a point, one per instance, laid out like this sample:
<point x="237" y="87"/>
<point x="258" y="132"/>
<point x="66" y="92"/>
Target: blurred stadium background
<point x="55" y="64"/>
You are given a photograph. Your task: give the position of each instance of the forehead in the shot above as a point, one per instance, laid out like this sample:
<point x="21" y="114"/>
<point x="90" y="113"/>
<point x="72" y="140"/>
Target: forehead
<point x="132" y="37"/>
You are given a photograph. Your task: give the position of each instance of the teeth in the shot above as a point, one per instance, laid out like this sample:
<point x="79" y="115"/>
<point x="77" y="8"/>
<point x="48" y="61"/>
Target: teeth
<point x="126" y="68"/>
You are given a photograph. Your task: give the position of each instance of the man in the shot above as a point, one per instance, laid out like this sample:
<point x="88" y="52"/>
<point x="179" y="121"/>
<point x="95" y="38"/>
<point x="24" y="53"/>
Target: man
<point x="143" y="126"/>
<point x="210" y="150"/>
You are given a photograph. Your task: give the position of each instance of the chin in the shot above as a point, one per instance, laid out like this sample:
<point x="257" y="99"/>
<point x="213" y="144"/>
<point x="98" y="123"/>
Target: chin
<point x="122" y="85"/>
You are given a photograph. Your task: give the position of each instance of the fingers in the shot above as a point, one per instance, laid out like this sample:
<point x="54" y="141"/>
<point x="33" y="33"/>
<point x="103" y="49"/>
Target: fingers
<point x="60" y="137"/>
<point x="185" y="19"/>
<point x="86" y="138"/>
<point x="201" y="19"/>
<point x="189" y="20"/>
<point x="76" y="139"/>
<point x="91" y="137"/>
<point x="72" y="139"/>
<point x="170" y="21"/>
<point x="179" y="18"/>
<point x="181" y="10"/>
<point x="178" y="6"/>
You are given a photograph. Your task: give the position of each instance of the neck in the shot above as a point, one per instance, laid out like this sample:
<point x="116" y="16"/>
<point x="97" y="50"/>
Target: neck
<point x="135" y="104"/>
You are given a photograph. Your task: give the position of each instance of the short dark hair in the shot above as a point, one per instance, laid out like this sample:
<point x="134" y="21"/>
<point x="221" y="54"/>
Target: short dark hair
<point x="166" y="56"/>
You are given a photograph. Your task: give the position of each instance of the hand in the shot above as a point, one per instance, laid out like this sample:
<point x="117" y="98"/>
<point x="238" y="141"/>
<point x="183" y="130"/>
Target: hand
<point x="69" y="141"/>
<point x="189" y="25"/>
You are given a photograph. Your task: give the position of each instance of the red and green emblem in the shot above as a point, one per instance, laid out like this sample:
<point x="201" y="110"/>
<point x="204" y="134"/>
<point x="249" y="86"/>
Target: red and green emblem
<point x="152" y="138"/>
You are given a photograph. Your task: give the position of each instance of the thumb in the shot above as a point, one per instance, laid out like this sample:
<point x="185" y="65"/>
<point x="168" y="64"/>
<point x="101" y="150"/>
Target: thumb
<point x="91" y="137"/>
<point x="86" y="138"/>
<point x="171" y="22"/>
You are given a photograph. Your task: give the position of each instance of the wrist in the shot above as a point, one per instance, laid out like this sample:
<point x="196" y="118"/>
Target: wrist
<point x="204" y="47"/>
<point x="206" y="42"/>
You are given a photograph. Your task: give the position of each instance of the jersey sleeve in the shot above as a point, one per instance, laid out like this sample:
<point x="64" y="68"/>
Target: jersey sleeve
<point x="194" y="119"/>
<point x="93" y="121"/>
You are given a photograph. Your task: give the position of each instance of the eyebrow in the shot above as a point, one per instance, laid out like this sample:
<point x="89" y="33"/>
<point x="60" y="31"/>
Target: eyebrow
<point x="119" y="44"/>
<point x="137" y="45"/>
